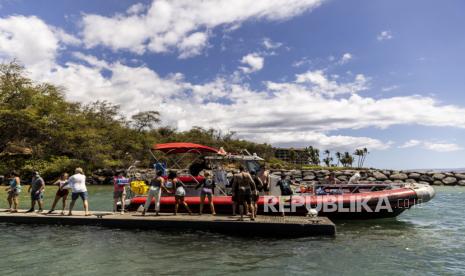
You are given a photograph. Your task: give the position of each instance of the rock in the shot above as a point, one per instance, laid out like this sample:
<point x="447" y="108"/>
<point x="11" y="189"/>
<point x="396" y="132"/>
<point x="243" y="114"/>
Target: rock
<point x="309" y="177"/>
<point x="343" y="178"/>
<point x="449" y="180"/>
<point x="410" y="181"/>
<point x="387" y="172"/>
<point x="380" y="176"/>
<point x="426" y="178"/>
<point x="414" y="175"/>
<point x="462" y="182"/>
<point x="399" y="176"/>
<point x="423" y="182"/>
<point x="305" y="173"/>
<point x="387" y="181"/>
<point x="296" y="173"/>
<point x="371" y="179"/>
<point x="438" y="176"/>
<point x="460" y="176"/>
<point x="449" y="174"/>
<point x="437" y="182"/>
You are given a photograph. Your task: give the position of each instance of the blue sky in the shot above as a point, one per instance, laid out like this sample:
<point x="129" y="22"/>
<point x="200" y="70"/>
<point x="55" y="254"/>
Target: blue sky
<point x="387" y="75"/>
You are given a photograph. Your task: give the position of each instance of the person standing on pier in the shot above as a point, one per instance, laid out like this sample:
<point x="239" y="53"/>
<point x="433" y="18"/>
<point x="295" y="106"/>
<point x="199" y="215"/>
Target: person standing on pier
<point x="77" y="182"/>
<point x="14" y="188"/>
<point x="37" y="192"/>
<point x="179" y="192"/>
<point x="258" y="188"/>
<point x="156" y="186"/>
<point x="265" y="177"/>
<point x="243" y="185"/>
<point x="207" y="185"/>
<point x="119" y="191"/>
<point x="62" y="193"/>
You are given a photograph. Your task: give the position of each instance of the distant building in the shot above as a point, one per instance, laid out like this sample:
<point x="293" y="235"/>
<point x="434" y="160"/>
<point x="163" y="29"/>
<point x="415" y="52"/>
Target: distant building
<point x="291" y="155"/>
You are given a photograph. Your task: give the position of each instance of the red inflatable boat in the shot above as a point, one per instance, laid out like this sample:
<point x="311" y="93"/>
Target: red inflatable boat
<point x="362" y="201"/>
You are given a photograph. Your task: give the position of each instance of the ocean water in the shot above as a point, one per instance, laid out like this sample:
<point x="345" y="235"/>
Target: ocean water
<point x="427" y="240"/>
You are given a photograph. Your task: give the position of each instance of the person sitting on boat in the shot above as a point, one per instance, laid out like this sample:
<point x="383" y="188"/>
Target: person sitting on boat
<point x="258" y="188"/>
<point x="119" y="191"/>
<point x="14" y="188"/>
<point x="207" y="185"/>
<point x="179" y="192"/>
<point x="331" y="179"/>
<point x="156" y="186"/>
<point x="243" y="186"/>
<point x="62" y="193"/>
<point x="355" y="178"/>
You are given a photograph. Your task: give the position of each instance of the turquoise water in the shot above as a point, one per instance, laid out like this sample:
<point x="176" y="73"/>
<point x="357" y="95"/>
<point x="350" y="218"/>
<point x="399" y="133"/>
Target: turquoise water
<point x="428" y="240"/>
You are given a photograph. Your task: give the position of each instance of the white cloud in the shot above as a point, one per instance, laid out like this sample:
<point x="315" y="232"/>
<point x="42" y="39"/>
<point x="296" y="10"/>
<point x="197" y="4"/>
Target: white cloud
<point x="136" y="8"/>
<point x="32" y="41"/>
<point x="321" y="83"/>
<point x="411" y="143"/>
<point x="254" y="62"/>
<point x="299" y="112"/>
<point x="345" y="58"/>
<point x="389" y="88"/>
<point x="384" y="35"/>
<point x="271" y="45"/>
<point x="433" y="146"/>
<point x="442" y="147"/>
<point x="169" y="25"/>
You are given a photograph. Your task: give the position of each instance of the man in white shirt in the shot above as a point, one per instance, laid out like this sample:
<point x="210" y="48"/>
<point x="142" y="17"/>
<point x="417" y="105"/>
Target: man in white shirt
<point x="77" y="182"/>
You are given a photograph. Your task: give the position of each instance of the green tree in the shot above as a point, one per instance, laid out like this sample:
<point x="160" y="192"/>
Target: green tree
<point x="145" y="120"/>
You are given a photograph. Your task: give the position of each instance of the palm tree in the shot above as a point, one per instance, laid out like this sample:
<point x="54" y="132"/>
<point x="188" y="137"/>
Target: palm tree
<point x="364" y="156"/>
<point x="338" y="156"/>
<point x="347" y="159"/>
<point x="313" y="155"/>
<point x="327" y="160"/>
<point x="359" y="154"/>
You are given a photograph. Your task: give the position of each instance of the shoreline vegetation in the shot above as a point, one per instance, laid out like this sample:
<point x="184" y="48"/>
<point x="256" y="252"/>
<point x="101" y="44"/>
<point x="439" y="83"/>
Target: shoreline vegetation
<point x="42" y="131"/>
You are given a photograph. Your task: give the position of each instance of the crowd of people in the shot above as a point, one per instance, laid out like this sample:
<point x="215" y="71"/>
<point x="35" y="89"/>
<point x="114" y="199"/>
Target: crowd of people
<point x="245" y="189"/>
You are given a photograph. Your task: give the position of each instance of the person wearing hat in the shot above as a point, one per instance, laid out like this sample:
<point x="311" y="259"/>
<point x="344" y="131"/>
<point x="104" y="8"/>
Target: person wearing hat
<point x="77" y="182"/>
<point x="37" y="192"/>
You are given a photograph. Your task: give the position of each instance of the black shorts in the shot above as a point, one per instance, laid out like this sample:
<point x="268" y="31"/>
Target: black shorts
<point x="244" y="196"/>
<point x="255" y="197"/>
<point x="266" y="188"/>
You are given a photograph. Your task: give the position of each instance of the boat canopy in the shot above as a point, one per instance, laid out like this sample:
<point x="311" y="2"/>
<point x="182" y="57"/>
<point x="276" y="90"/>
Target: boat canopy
<point x="169" y="148"/>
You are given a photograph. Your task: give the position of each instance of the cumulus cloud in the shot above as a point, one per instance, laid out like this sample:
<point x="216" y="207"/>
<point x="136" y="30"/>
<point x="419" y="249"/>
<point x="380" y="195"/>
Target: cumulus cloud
<point x="345" y="58"/>
<point x="290" y="113"/>
<point x="271" y="45"/>
<point x="434" y="146"/>
<point x="324" y="84"/>
<point x="384" y="35"/>
<point x="182" y="25"/>
<point x="302" y="111"/>
<point x="254" y="62"/>
<point x="31" y="40"/>
<point x="442" y="147"/>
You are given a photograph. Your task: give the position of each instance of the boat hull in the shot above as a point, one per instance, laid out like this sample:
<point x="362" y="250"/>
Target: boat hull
<point x="363" y="205"/>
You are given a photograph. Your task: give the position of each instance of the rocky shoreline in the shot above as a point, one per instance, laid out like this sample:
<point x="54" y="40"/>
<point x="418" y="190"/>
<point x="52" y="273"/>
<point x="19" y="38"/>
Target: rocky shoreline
<point x="104" y="177"/>
<point x="379" y="176"/>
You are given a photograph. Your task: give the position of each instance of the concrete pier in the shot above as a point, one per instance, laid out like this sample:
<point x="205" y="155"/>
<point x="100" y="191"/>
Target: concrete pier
<point x="263" y="226"/>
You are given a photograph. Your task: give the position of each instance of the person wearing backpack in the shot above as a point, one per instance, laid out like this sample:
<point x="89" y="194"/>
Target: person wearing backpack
<point x="284" y="185"/>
